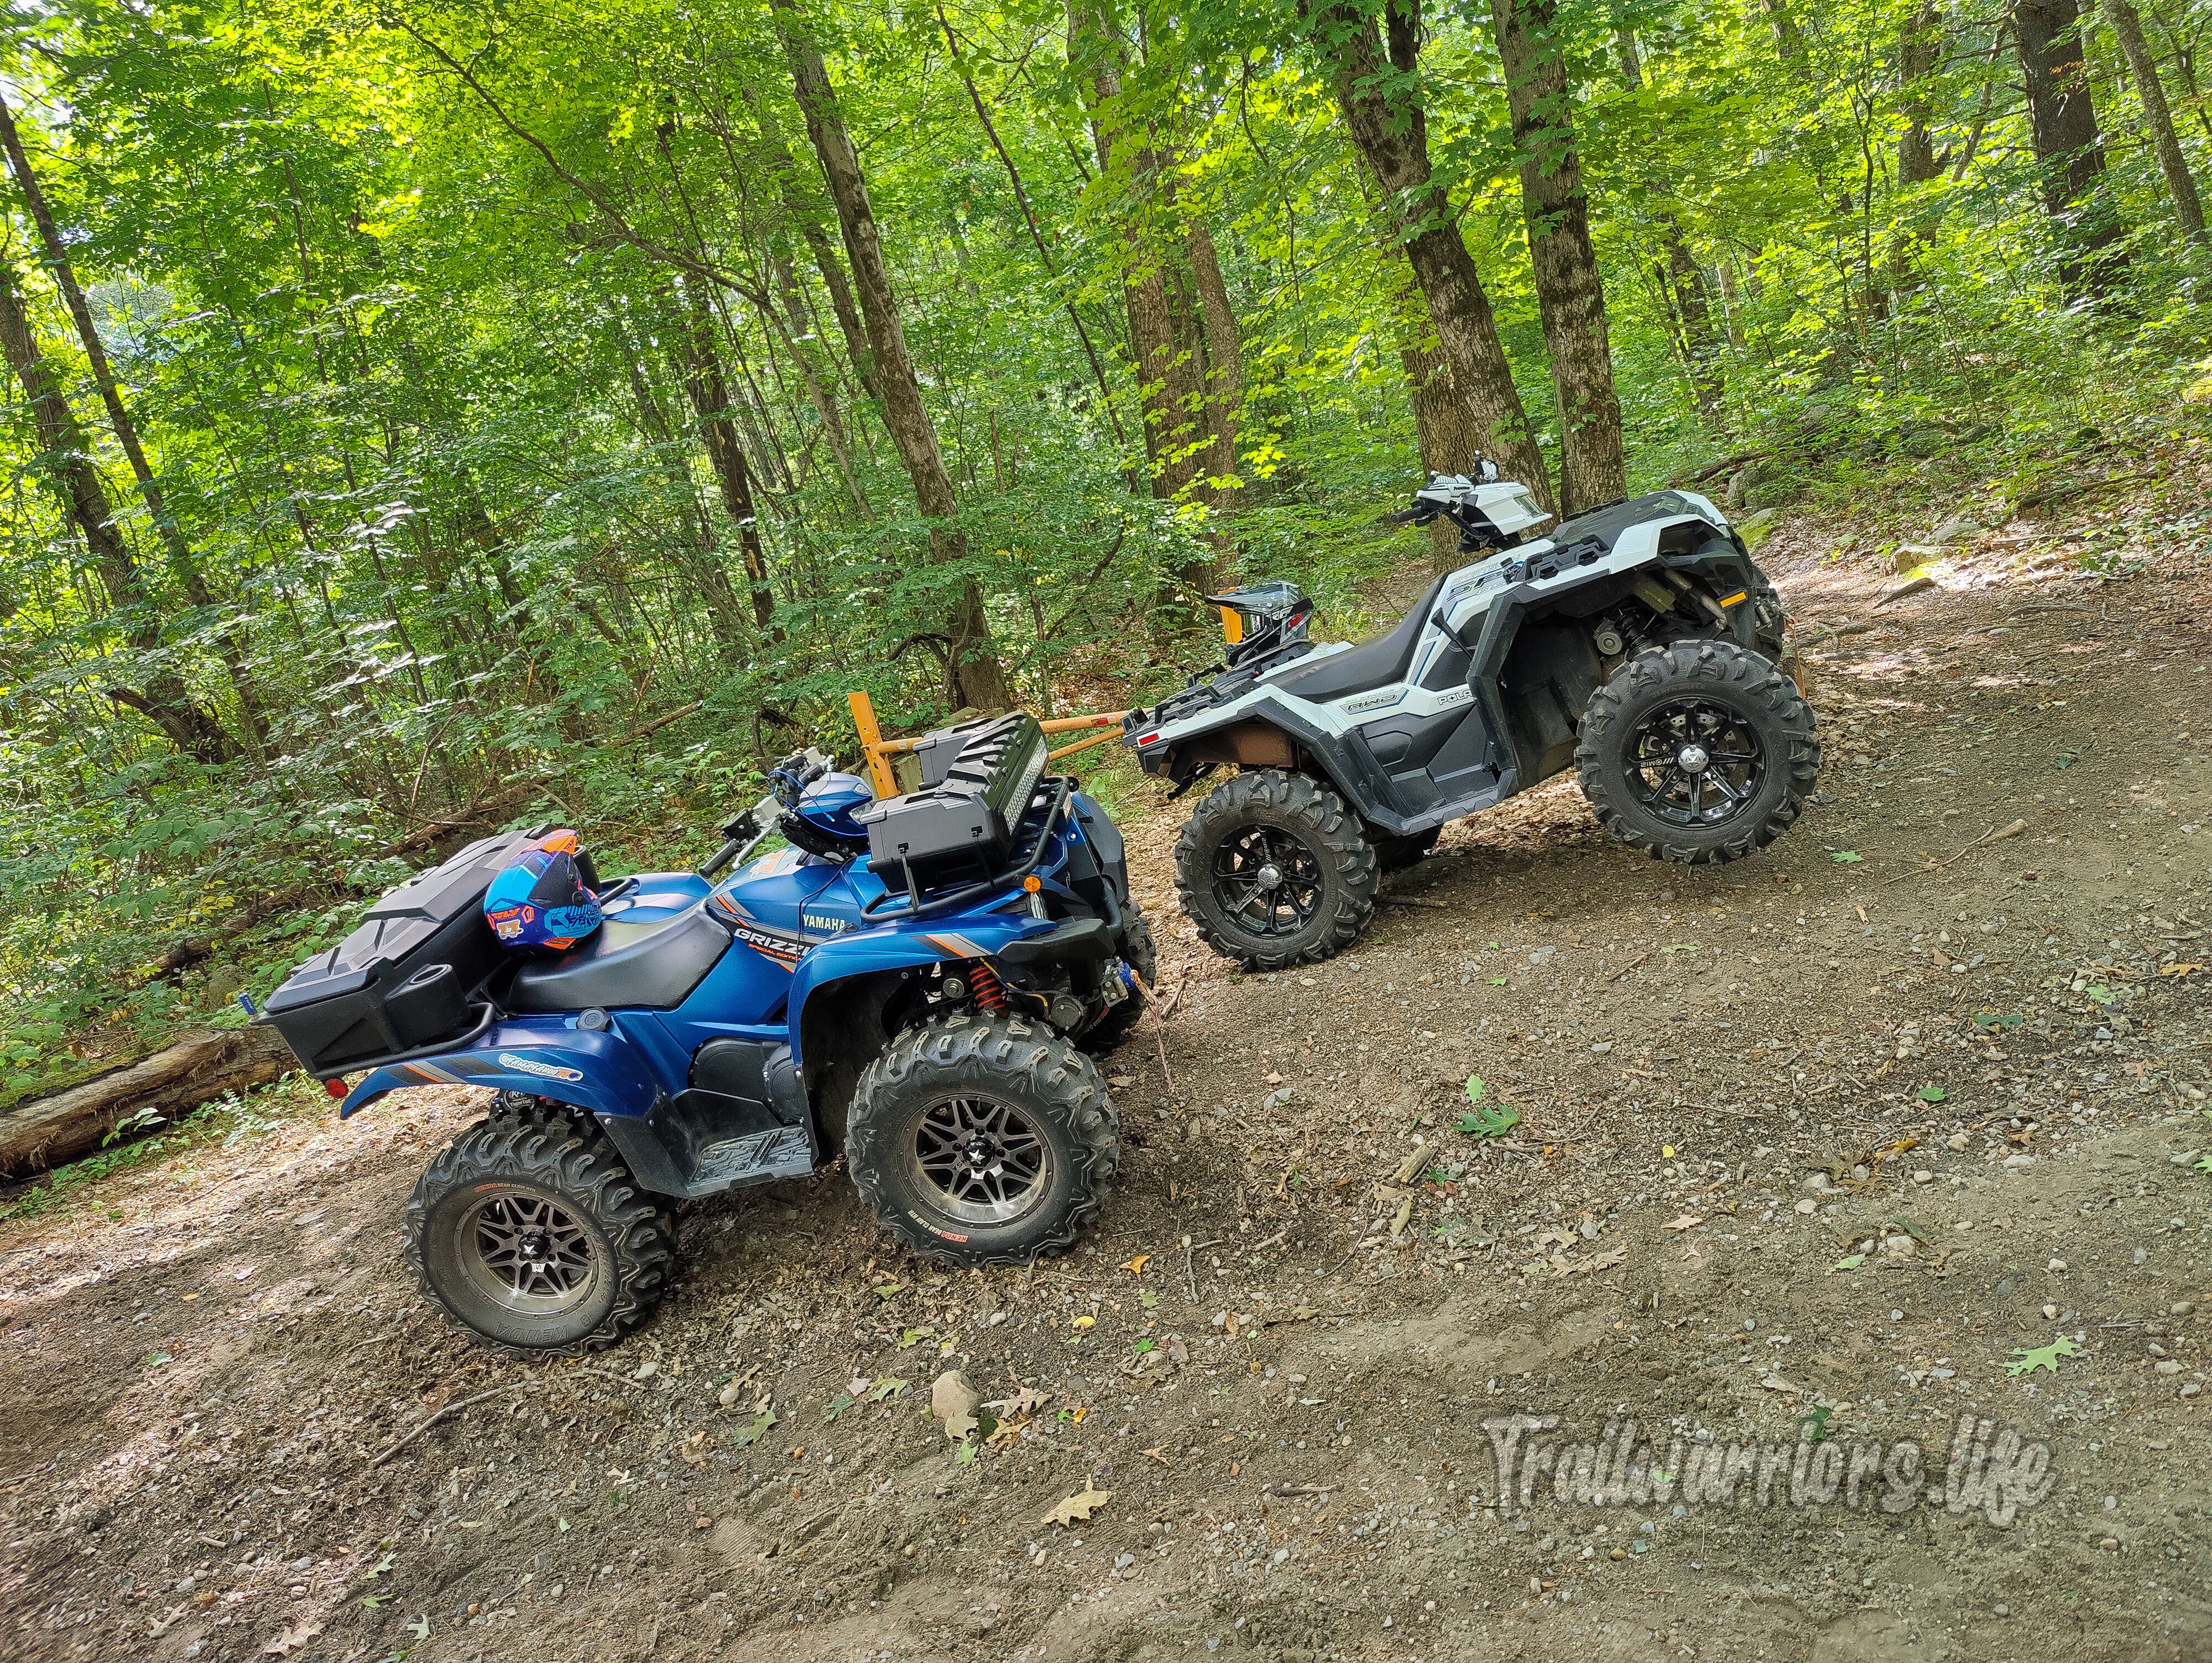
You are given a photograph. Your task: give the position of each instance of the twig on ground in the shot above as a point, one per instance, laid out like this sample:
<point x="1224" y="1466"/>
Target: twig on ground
<point x="1998" y="835"/>
<point x="450" y="1409"/>
<point x="1181" y="982"/>
<point x="1189" y="1268"/>
<point x="1159" y="1029"/>
<point x="2060" y="493"/>
<point x="1616" y="974"/>
<point x="1916" y="586"/>
<point x="1833" y="631"/>
<point x="1408" y="901"/>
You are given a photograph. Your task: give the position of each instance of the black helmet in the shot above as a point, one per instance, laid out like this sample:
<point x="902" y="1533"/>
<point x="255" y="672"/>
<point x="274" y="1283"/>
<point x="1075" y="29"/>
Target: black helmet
<point x="1262" y="619"/>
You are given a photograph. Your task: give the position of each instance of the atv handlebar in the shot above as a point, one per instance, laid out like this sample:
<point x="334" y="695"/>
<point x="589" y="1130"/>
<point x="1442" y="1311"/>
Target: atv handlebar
<point x="741" y="835"/>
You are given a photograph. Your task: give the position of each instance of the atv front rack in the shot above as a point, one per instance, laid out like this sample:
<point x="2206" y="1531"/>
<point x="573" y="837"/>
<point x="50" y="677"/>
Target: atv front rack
<point x="919" y="906"/>
<point x="878" y="751"/>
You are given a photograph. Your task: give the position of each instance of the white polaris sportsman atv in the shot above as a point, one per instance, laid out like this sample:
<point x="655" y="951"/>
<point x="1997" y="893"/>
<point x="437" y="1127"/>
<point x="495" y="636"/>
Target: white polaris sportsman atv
<point x="1637" y="643"/>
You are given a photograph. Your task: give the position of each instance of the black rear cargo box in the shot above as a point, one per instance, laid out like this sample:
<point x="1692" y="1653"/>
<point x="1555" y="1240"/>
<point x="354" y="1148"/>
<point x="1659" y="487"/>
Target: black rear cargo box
<point x="406" y="977"/>
<point x="960" y="829"/>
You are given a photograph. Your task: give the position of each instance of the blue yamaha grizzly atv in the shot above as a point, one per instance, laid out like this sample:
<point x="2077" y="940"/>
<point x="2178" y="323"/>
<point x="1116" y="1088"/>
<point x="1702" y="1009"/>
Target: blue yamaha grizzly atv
<point x="912" y="982"/>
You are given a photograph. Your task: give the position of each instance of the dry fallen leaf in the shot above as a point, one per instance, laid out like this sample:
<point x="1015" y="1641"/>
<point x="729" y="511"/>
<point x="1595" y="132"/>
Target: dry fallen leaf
<point x="1079" y="1507"/>
<point x="1027" y="1401"/>
<point x="953" y="1401"/>
<point x="293" y="1638"/>
<point x="1136" y="1266"/>
<point x="1084" y="1324"/>
<point x="1603" y="1261"/>
<point x="1686" y="1221"/>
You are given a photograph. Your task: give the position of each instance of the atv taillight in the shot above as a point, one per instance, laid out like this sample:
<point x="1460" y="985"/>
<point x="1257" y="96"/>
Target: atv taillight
<point x="1143" y="740"/>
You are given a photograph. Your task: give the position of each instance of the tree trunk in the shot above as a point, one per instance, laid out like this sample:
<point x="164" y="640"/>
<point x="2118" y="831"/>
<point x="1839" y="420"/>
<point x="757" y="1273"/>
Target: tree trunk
<point x="1569" y="292"/>
<point x="126" y="432"/>
<point x="2062" y="124"/>
<point x="67" y="466"/>
<point x="1789" y="40"/>
<point x="1163" y="332"/>
<point x="1390" y="128"/>
<point x="977" y="680"/>
<point x="710" y="402"/>
<point x="1682" y="278"/>
<point x="801" y="213"/>
<point x="1919" y="51"/>
<point x="2142" y="68"/>
<point x="1225" y="372"/>
<point x="49" y="1131"/>
<point x="1444" y="428"/>
<point x="1701" y="347"/>
<point x="821" y="389"/>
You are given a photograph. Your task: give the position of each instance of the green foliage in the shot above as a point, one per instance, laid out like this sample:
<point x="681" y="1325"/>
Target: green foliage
<point x="413" y="355"/>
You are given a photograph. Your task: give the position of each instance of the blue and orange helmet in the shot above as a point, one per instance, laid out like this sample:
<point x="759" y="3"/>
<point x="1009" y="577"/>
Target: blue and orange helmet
<point x="541" y="900"/>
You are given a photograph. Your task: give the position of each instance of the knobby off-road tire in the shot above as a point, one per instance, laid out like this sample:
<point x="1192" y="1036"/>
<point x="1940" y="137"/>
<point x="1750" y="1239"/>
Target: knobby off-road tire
<point x="1395" y="854"/>
<point x="1325" y="871"/>
<point x="520" y="1109"/>
<point x="506" y="1196"/>
<point x="982" y="1140"/>
<point x="1689" y="693"/>
<point x="1140" y="953"/>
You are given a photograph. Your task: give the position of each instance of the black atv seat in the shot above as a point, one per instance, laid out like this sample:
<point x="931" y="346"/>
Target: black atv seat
<point x="652" y="967"/>
<point x="1371" y="663"/>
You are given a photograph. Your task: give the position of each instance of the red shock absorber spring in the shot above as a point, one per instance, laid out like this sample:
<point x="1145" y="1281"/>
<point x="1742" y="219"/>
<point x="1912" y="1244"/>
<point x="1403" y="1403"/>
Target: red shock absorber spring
<point x="990" y="992"/>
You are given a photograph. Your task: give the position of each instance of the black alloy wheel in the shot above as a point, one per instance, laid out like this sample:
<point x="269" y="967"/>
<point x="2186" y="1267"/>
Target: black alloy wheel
<point x="1697" y="751"/>
<point x="1695" y="762"/>
<point x="1267" y="880"/>
<point x="1274" y="870"/>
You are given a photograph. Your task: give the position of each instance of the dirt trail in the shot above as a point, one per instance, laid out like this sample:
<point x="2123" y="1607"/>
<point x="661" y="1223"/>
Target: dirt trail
<point x="1811" y="1150"/>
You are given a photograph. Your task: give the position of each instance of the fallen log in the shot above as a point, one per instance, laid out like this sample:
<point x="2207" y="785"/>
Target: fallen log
<point x="42" y="1132"/>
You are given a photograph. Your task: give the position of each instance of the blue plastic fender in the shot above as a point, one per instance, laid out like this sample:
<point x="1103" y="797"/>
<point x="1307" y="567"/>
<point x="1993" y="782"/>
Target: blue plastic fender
<point x="963" y="935"/>
<point x="547" y="1057"/>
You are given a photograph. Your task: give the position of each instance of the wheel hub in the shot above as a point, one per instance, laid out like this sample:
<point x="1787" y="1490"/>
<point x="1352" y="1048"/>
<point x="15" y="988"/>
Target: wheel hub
<point x="1265" y="881"/>
<point x="980" y="1160"/>
<point x="1695" y="762"/>
<point x="527" y="1252"/>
